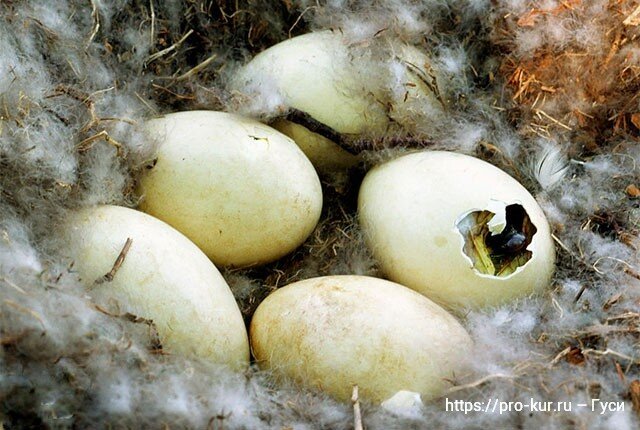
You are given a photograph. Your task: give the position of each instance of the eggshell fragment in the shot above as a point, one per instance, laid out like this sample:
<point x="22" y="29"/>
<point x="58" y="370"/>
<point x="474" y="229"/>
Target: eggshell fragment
<point x="332" y="332"/>
<point x="240" y="190"/>
<point x="416" y="209"/>
<point x="163" y="278"/>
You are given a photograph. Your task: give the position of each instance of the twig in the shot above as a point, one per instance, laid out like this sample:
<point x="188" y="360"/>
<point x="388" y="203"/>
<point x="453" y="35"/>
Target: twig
<point x="560" y="355"/>
<point x="523" y="87"/>
<point x="95" y="93"/>
<point x="12" y="285"/>
<point x="153" y="21"/>
<point x="96" y="23"/>
<point x="634" y="393"/>
<point x="299" y="18"/>
<point x="357" y="415"/>
<point x="556" y="305"/>
<point x="634" y="18"/>
<point x="118" y="263"/>
<point x="595" y="265"/>
<point x="612" y="301"/>
<point x="619" y="371"/>
<point x="562" y="245"/>
<point x="171" y="48"/>
<point x="111" y="118"/>
<point x="197" y="68"/>
<point x="26" y="311"/>
<point x="212" y="425"/>
<point x="583" y="288"/>
<point x="552" y="119"/>
<point x="156" y="344"/>
<point x="479" y="382"/>
<point x="611" y="352"/>
<point x="632" y="273"/>
<point x="615" y="46"/>
<point x="83" y="98"/>
<point x="146" y="103"/>
<point x="86" y="144"/>
<point x="179" y="96"/>
<point x="624" y="316"/>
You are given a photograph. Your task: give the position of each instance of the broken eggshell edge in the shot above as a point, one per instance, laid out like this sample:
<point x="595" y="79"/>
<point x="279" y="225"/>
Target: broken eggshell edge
<point x="409" y="209"/>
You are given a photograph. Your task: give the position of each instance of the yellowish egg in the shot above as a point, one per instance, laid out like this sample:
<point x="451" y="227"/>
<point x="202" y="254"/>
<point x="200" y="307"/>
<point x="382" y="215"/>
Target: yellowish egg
<point x="323" y="153"/>
<point x="339" y="90"/>
<point x="240" y="190"/>
<point x="315" y="74"/>
<point x="334" y="332"/>
<point x="163" y="278"/>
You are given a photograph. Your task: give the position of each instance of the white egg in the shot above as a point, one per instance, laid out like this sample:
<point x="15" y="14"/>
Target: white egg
<point x="338" y="90"/>
<point x="163" y="277"/>
<point x="333" y="332"/>
<point x="456" y="229"/>
<point x="240" y="190"/>
<point x="315" y="74"/>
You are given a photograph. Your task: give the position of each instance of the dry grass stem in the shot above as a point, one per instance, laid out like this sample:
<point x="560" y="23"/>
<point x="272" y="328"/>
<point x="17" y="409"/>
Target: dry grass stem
<point x="117" y="264"/>
<point x="357" y="414"/>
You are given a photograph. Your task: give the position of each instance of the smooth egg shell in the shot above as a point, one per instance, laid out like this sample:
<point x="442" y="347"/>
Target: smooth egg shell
<point x="240" y="190"/>
<point x="353" y="89"/>
<point x="323" y="153"/>
<point x="409" y="209"/>
<point x="332" y="332"/>
<point x="164" y="278"/>
<point x="314" y="73"/>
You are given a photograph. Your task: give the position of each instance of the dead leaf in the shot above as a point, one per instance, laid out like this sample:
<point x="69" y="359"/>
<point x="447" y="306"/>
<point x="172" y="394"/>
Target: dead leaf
<point x="633" y="191"/>
<point x="575" y="356"/>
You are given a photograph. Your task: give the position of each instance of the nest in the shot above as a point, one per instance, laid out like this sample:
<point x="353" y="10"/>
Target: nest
<point x="81" y="75"/>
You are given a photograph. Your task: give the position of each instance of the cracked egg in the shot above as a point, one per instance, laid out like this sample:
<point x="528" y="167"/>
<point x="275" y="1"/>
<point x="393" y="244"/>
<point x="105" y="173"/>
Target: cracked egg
<point x="456" y="229"/>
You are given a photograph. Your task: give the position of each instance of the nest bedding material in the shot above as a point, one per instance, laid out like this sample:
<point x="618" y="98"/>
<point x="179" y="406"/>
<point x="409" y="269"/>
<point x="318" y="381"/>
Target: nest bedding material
<point x="546" y="90"/>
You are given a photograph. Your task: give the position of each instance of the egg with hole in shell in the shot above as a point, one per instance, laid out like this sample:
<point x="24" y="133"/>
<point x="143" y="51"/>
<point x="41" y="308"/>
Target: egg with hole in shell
<point x="240" y="190"/>
<point x="160" y="277"/>
<point x="333" y="332"/>
<point x="456" y="229"/>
